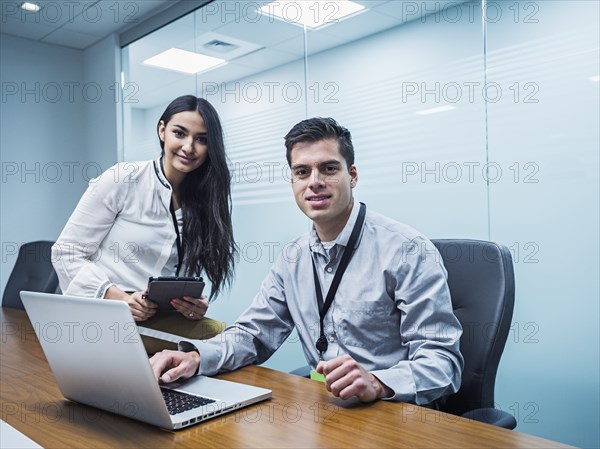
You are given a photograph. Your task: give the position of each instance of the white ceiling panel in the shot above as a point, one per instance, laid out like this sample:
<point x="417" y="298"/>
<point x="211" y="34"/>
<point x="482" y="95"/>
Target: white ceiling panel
<point x="179" y="34"/>
<point x="69" y="38"/>
<point x="16" y="27"/>
<point x="74" y="23"/>
<point x="52" y="14"/>
<point x="103" y="18"/>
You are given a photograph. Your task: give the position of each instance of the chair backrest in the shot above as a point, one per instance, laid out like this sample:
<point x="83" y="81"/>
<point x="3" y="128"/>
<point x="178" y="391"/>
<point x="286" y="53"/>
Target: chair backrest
<point x="33" y="271"/>
<point x="482" y="287"/>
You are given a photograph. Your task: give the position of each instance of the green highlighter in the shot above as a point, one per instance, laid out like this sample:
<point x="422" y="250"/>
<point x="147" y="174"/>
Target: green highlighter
<point x="317" y="376"/>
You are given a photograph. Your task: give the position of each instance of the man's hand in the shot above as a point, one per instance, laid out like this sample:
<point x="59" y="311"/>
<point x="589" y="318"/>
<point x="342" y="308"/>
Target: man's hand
<point x="169" y="366"/>
<point x="141" y="308"/>
<point x="345" y="377"/>
<point x="191" y="308"/>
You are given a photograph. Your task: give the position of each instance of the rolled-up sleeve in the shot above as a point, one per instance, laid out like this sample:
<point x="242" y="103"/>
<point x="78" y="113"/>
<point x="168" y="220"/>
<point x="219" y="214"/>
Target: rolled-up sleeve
<point x="256" y="334"/>
<point x="75" y="251"/>
<point x="429" y="330"/>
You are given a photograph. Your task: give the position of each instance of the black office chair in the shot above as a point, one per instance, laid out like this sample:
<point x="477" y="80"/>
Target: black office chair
<point x="33" y="271"/>
<point x="482" y="287"/>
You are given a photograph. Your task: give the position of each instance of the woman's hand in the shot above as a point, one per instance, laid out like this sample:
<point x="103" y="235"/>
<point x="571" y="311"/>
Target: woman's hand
<point x="191" y="308"/>
<point x="141" y="308"/>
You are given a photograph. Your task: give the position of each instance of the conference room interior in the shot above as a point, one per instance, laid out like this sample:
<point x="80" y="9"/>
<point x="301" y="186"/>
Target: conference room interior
<point x="474" y="119"/>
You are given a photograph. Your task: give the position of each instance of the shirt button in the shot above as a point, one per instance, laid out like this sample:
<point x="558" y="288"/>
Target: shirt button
<point x="331" y="339"/>
<point x="329" y="269"/>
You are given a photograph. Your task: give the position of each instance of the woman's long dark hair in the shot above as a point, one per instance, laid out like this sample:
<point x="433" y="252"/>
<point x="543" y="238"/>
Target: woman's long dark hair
<point x="206" y="201"/>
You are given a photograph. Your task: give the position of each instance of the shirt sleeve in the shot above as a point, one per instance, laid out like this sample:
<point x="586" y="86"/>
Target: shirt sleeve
<point x="429" y="329"/>
<point x="254" y="337"/>
<point x="77" y="246"/>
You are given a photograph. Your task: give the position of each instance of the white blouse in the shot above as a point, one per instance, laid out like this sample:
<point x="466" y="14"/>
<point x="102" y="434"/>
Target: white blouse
<point x="120" y="233"/>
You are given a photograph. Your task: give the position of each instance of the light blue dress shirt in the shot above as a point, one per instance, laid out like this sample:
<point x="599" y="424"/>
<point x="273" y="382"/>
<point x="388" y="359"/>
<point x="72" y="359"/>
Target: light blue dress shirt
<point x="392" y="312"/>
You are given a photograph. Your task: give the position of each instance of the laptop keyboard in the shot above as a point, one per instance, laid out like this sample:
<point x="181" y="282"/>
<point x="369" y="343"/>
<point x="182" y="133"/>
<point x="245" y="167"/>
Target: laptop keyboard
<point x="178" y="402"/>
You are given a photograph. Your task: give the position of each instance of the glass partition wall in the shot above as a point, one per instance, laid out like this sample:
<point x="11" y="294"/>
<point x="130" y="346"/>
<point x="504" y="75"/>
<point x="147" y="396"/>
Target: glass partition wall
<point x="469" y="119"/>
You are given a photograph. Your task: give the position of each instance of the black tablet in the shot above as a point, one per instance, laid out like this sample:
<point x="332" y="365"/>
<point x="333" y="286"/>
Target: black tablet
<point x="163" y="289"/>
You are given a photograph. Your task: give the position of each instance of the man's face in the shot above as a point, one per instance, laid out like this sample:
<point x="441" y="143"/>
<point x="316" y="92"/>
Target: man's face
<point x="322" y="185"/>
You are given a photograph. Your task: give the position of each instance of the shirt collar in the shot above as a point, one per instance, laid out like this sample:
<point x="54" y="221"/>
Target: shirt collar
<point x="160" y="173"/>
<point x="344" y="236"/>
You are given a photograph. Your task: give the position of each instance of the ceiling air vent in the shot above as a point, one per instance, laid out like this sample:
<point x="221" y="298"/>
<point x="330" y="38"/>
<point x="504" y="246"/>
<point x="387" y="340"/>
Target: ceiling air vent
<point x="220" y="46"/>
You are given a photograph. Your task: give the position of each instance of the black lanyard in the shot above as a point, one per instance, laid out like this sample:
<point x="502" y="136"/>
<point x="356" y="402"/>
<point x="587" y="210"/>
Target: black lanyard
<point x="179" y="242"/>
<point x="321" y="343"/>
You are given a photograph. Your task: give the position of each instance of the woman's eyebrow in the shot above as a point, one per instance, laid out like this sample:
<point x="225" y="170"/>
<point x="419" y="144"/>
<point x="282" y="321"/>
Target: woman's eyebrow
<point x="183" y="128"/>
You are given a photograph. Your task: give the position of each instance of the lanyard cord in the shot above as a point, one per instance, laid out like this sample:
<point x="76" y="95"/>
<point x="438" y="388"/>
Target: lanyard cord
<point x="178" y="240"/>
<point x="321" y="343"/>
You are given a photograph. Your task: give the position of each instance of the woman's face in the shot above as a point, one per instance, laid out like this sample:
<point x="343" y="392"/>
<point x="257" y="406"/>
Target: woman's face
<point x="185" y="142"/>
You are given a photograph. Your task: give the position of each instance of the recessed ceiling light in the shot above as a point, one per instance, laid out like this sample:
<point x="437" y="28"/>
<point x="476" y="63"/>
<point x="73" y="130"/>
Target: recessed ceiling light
<point x="314" y="14"/>
<point x="595" y="78"/>
<point x="435" y="110"/>
<point x="184" y="61"/>
<point x="33" y="7"/>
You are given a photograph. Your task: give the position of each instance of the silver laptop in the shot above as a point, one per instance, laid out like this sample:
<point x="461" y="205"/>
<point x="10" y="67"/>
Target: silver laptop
<point x="98" y="359"/>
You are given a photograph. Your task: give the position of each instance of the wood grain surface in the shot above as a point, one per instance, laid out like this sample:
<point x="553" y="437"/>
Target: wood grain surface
<point x="301" y="413"/>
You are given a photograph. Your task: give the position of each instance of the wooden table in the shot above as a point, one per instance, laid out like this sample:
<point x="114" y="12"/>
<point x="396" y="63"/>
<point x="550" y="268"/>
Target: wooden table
<point x="300" y="414"/>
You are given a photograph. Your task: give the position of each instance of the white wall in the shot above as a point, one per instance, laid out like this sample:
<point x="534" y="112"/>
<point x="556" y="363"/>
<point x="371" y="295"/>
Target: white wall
<point x="42" y="141"/>
<point x="101" y="67"/>
<point x="58" y="130"/>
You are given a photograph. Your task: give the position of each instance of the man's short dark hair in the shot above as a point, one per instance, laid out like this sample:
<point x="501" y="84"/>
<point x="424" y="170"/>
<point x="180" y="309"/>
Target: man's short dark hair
<point x="316" y="129"/>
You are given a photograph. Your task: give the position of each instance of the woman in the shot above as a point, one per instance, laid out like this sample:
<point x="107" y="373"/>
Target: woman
<point x="170" y="216"/>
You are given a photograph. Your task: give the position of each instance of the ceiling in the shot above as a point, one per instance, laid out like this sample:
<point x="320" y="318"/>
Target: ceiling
<point x="76" y="24"/>
<point x="269" y="42"/>
<point x="265" y="42"/>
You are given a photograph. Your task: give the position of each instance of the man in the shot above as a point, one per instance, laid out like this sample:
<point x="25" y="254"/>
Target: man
<point x="389" y="331"/>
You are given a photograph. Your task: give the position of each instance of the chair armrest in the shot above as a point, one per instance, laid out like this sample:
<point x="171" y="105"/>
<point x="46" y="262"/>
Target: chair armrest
<point x="492" y="416"/>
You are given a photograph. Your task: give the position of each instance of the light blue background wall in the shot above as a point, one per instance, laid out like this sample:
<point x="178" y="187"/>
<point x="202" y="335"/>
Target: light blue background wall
<point x="547" y="212"/>
<point x="58" y="130"/>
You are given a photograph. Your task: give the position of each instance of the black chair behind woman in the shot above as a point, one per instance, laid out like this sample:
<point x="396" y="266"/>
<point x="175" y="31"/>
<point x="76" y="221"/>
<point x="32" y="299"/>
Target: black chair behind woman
<point x="33" y="271"/>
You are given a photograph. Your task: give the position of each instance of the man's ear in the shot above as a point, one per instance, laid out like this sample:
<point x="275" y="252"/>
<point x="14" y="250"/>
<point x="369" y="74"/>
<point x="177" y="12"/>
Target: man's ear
<point x="353" y="176"/>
